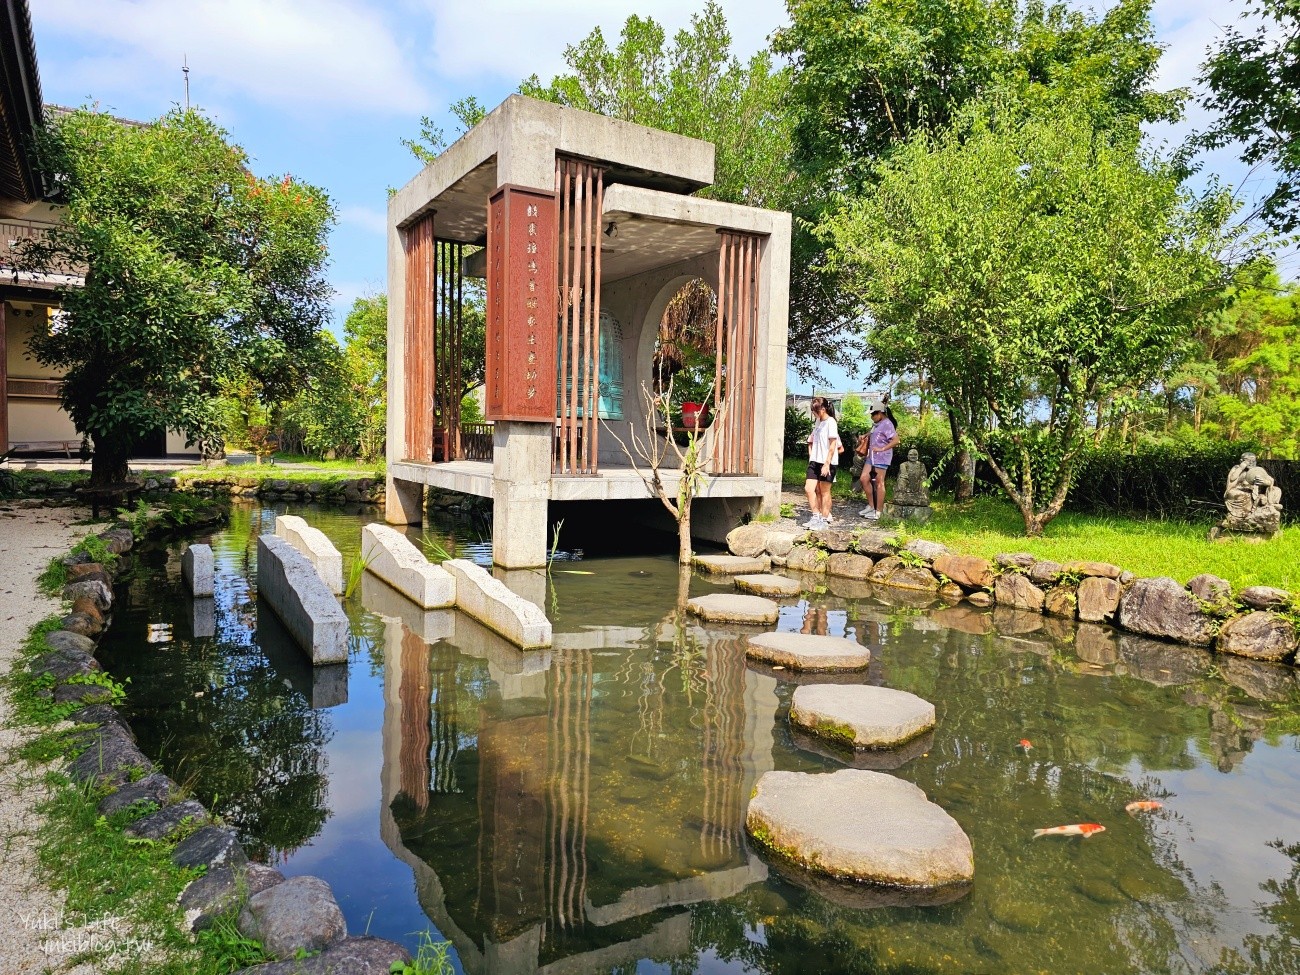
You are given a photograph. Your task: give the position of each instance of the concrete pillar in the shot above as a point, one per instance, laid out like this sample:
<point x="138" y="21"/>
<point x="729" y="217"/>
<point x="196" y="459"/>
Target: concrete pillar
<point x="404" y="502"/>
<point x="521" y="483"/>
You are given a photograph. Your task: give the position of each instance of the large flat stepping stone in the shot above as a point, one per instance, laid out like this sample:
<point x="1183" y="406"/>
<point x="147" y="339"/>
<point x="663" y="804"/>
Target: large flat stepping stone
<point x="722" y="607"/>
<point x="730" y="565"/>
<point x="804" y="651"/>
<point x="861" y="717"/>
<point x="768" y="585"/>
<point x="855" y="826"/>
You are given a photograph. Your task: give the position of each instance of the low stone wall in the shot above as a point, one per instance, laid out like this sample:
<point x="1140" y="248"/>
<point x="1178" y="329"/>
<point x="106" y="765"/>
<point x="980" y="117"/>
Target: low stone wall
<point x="292" y="588"/>
<point x="37" y="492"/>
<point x="1259" y="622"/>
<point x="293" y="919"/>
<point x="312" y="544"/>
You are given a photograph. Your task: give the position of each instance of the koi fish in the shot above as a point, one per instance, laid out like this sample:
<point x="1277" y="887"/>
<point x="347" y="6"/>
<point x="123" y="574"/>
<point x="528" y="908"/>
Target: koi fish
<point x="1145" y="805"/>
<point x="1026" y="744"/>
<point x="1074" y="829"/>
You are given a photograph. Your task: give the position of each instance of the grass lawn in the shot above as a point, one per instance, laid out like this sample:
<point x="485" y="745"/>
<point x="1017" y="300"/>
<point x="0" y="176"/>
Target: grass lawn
<point x="357" y="467"/>
<point x="990" y="525"/>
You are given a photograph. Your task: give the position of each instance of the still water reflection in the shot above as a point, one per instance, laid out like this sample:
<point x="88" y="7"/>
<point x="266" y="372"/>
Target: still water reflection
<point x="581" y="809"/>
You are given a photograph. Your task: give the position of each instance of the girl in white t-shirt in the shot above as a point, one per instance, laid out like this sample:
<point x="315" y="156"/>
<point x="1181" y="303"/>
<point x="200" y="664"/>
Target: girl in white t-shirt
<point x="823" y="461"/>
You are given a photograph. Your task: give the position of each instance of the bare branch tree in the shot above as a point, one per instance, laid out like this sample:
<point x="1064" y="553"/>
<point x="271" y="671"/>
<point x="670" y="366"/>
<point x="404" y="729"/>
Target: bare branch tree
<point x="649" y="453"/>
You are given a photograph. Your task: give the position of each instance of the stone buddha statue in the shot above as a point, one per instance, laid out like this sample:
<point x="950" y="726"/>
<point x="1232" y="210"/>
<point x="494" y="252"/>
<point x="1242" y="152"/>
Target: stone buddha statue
<point x="911" y="498"/>
<point x="1253" y="500"/>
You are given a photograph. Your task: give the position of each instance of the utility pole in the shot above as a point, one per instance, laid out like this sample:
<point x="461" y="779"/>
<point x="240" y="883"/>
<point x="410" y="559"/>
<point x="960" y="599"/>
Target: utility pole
<point x="185" y="70"/>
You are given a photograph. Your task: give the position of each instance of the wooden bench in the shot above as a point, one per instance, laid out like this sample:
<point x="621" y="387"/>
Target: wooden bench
<point x="65" y="447"/>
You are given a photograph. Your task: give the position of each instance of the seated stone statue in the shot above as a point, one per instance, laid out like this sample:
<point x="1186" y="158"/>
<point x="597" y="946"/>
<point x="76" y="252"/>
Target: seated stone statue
<point x="911" y="498"/>
<point x="910" y="487"/>
<point x="1253" y="500"/>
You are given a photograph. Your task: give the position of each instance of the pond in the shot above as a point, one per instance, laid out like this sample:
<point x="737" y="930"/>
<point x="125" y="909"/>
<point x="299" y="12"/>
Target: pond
<point x="582" y="809"/>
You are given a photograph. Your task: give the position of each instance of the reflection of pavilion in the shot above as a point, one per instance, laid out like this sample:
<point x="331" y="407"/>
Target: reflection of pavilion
<point x="557" y="820"/>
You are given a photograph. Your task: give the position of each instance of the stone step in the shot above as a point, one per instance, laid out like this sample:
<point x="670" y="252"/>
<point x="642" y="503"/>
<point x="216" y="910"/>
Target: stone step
<point x="803" y="651"/>
<point x="721" y="607"/>
<point x="861" y="717"/>
<point x="767" y="585"/>
<point x="859" y="827"/>
<point x="730" y="565"/>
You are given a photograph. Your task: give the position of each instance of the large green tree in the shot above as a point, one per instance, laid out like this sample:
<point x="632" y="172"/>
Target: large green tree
<point x="195" y="270"/>
<point x="692" y="85"/>
<point x="1029" y="262"/>
<point x="868" y="76"/>
<point x="1253" y="85"/>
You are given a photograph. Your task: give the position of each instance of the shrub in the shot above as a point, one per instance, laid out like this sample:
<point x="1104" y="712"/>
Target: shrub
<point x="798" y="425"/>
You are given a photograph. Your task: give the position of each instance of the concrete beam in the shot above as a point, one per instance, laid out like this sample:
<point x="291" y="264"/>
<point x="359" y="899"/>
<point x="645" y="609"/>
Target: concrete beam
<point x="312" y="544"/>
<point x="390" y="555"/>
<point x="307" y="608"/>
<point x="197" y="569"/>
<point x="496" y="607"/>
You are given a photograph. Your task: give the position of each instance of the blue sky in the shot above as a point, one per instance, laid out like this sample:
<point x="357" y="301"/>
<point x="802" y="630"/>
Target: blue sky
<point x="326" y="89"/>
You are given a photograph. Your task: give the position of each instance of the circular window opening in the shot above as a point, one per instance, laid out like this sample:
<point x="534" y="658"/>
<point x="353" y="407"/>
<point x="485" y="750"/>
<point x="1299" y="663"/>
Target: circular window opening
<point x="685" y="354"/>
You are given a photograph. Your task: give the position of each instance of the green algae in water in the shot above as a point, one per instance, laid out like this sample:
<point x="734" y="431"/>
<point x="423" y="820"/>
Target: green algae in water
<point x="586" y="805"/>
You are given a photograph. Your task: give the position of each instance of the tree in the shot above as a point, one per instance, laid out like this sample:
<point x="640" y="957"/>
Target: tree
<point x="1029" y="264"/>
<point x="655" y="452"/>
<point x="1252" y="348"/>
<point x="868" y="76"/>
<point x="695" y="87"/>
<point x="1253" y="81"/>
<point x="195" y="271"/>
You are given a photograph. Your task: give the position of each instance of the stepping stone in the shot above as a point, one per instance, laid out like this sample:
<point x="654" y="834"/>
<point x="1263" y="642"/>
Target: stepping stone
<point x="721" y="607"/>
<point x="730" y="565"/>
<point x="855" y="826"/>
<point x="877" y="760"/>
<point x="861" y="717"/>
<point x="804" y="651"/>
<point x="768" y="585"/>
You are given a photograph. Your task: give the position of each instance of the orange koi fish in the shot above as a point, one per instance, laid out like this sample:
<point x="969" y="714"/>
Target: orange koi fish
<point x="1145" y="805"/>
<point x="1026" y="744"/>
<point x="1074" y="829"/>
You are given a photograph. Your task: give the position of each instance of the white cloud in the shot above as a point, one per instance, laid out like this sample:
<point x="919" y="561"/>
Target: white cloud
<point x="366" y="218"/>
<point x="511" y="39"/>
<point x="291" y="54"/>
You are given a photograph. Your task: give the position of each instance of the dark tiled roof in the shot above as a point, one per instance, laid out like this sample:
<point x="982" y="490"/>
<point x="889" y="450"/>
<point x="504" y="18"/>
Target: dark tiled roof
<point x="20" y="102"/>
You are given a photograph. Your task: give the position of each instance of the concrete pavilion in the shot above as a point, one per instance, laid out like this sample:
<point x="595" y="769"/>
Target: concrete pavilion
<point x="584" y="228"/>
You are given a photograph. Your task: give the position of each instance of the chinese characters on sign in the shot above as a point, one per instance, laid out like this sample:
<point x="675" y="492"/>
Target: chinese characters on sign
<point x="521" y="286"/>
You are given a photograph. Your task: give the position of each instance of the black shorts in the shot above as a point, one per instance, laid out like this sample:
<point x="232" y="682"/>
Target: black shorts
<point x="815" y="473"/>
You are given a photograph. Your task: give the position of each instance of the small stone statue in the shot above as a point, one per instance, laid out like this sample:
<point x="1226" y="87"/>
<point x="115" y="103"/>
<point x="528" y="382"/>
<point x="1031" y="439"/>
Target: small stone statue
<point x="1253" y="500"/>
<point x="911" y="499"/>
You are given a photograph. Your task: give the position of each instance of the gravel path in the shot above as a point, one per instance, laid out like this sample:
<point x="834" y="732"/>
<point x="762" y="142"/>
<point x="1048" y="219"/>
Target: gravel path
<point x="34" y="935"/>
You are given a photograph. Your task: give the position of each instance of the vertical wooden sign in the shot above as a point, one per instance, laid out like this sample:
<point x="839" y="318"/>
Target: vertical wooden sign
<point x="521" y="316"/>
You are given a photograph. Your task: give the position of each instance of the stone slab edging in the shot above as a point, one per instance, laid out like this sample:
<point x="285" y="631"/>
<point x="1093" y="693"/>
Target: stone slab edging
<point x="198" y="569"/>
<point x="1259" y="622"/>
<point x="489" y="601"/>
<point x="293" y="589"/>
<point x="110" y="757"/>
<point x="392" y="557"/>
<point x="315" y="548"/>
<point x="468" y="587"/>
<point x="328" y="490"/>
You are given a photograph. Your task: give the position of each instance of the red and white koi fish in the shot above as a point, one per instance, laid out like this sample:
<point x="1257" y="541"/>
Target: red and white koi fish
<point x="1025" y="744"/>
<point x="1074" y="829"/>
<point x="1144" y="805"/>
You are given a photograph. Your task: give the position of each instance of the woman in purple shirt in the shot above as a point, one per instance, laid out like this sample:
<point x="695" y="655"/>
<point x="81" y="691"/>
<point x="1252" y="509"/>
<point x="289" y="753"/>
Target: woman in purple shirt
<point x="880" y="454"/>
